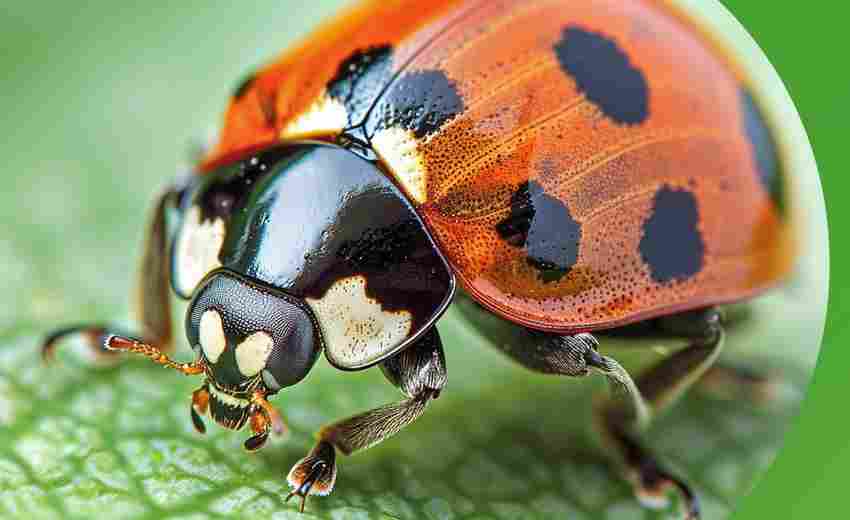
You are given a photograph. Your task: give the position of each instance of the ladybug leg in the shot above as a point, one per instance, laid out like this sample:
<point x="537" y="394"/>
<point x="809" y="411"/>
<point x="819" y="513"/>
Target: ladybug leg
<point x="734" y="382"/>
<point x="153" y="306"/>
<point x="575" y="356"/>
<point x="315" y="474"/>
<point x="661" y="386"/>
<point x="419" y="372"/>
<point x="199" y="406"/>
<point x="91" y="335"/>
<point x="264" y="419"/>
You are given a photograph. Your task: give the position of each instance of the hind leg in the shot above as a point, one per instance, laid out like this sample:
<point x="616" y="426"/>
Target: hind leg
<point x="152" y="305"/>
<point x="660" y="386"/>
<point x="632" y="404"/>
<point x="763" y="388"/>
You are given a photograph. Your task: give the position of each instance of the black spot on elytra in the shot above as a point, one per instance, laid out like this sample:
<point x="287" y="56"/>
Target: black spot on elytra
<point x="544" y="226"/>
<point x="360" y="78"/>
<point x="604" y="74"/>
<point x="764" y="149"/>
<point x="672" y="245"/>
<point x="420" y="101"/>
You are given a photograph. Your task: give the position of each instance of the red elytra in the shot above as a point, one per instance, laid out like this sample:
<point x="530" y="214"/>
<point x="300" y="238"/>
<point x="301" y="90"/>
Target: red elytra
<point x="562" y="203"/>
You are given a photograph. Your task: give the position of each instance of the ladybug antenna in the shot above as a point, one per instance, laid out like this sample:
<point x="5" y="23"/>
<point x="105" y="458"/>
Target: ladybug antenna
<point x="125" y="344"/>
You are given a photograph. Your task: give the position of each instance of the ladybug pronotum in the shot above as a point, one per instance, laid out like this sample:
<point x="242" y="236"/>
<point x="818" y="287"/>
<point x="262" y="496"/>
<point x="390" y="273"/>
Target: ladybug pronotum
<point x="569" y="166"/>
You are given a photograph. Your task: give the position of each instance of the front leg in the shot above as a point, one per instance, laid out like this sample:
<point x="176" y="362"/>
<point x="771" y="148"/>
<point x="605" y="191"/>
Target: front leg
<point x="152" y="305"/>
<point x="419" y="372"/>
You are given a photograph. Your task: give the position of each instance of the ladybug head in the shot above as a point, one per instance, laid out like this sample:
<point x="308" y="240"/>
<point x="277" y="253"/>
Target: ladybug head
<point x="251" y="337"/>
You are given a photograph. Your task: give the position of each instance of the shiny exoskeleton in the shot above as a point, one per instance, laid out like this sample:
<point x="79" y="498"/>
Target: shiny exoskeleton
<point x="569" y="165"/>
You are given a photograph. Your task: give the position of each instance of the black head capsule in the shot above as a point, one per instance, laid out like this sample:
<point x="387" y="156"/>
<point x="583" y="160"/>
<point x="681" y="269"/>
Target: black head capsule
<point x="251" y="338"/>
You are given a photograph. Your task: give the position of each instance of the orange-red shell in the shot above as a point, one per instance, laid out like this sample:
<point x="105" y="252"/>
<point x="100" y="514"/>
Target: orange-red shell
<point x="617" y="116"/>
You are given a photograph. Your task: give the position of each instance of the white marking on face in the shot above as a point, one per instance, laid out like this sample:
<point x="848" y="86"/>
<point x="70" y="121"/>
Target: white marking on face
<point x="228" y="399"/>
<point x="252" y="354"/>
<point x="198" y="246"/>
<point x="398" y="148"/>
<point x="354" y="326"/>
<point x="211" y="335"/>
<point x="324" y="116"/>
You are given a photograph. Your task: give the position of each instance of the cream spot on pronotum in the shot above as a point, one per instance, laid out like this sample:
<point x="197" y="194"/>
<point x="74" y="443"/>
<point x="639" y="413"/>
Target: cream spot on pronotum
<point x="397" y="147"/>
<point x="324" y="116"/>
<point x="252" y="354"/>
<point x="198" y="246"/>
<point x="212" y="335"/>
<point x="354" y="326"/>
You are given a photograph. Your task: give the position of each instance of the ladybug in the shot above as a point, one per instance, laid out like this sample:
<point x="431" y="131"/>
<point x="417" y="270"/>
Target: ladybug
<point x="571" y="167"/>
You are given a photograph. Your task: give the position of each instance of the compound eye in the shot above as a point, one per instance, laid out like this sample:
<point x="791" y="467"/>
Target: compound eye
<point x="253" y="353"/>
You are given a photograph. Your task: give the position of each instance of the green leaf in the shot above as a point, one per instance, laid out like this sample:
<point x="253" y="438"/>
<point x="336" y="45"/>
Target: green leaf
<point x="499" y="443"/>
<point x="104" y="99"/>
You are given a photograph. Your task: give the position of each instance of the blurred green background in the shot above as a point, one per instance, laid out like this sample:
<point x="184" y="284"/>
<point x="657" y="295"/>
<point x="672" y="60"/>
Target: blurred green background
<point x="801" y="40"/>
<point x="100" y="102"/>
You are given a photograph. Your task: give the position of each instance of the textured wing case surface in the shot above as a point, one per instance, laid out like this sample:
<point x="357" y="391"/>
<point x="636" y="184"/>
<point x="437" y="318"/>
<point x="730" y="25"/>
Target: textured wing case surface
<point x="581" y="164"/>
